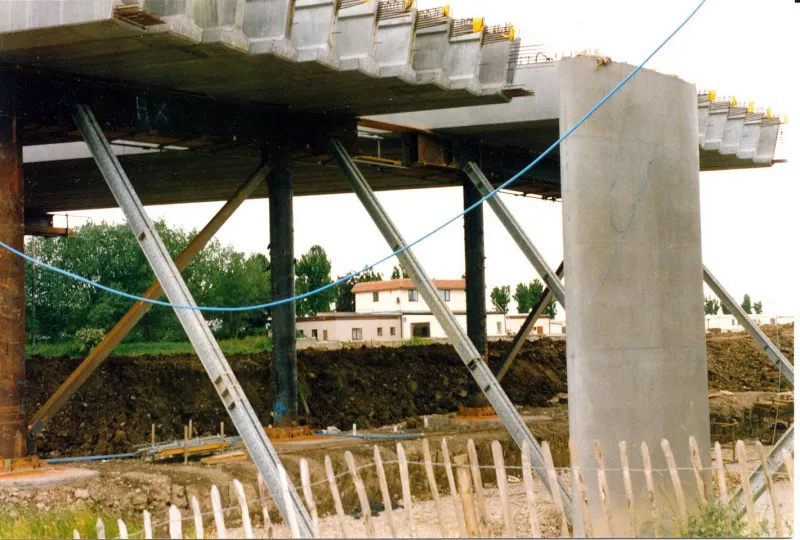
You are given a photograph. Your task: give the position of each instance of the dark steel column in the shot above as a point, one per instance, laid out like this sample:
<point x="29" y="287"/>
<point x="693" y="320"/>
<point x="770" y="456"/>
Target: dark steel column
<point x="281" y="253"/>
<point x="474" y="262"/>
<point x="12" y="294"/>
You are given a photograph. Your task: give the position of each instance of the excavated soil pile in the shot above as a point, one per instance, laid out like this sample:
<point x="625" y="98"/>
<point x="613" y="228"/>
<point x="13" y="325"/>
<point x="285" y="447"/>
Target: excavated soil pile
<point x="736" y="364"/>
<point x="367" y="386"/>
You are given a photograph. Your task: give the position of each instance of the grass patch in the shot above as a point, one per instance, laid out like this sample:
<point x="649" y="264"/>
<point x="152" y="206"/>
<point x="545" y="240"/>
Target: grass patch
<point x="55" y="524"/>
<point x="247" y="345"/>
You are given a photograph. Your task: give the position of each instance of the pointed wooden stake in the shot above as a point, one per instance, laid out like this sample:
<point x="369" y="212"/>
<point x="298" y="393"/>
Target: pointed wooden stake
<point x="148" y="526"/>
<point x="697" y="465"/>
<point x="741" y="454"/>
<point x="101" y="529"/>
<point x="448" y="468"/>
<point x="577" y="480"/>
<point x="366" y="510"/>
<point x="626" y="480"/>
<point x="198" y="518"/>
<point x="219" y="516"/>
<point x="406" y="485"/>
<point x="788" y="462"/>
<point x="719" y="464"/>
<point x="651" y="490"/>
<point x="527" y="477"/>
<point x="288" y="503"/>
<point x="676" y="482"/>
<point x="123" y="530"/>
<point x="776" y="509"/>
<point x="263" y="494"/>
<point x="387" y="498"/>
<point x="465" y="494"/>
<point x="602" y="486"/>
<point x="185" y="445"/>
<point x="75" y="534"/>
<point x="477" y="483"/>
<point x="426" y="456"/>
<point x="337" y="500"/>
<point x="305" y="478"/>
<point x="555" y="490"/>
<point x="175" y="529"/>
<point x="502" y="487"/>
<point x="242" y="499"/>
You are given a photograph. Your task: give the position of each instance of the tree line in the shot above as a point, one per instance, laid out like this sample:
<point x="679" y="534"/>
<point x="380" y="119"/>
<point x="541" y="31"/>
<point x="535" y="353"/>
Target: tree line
<point x="713" y="306"/>
<point x="526" y="295"/>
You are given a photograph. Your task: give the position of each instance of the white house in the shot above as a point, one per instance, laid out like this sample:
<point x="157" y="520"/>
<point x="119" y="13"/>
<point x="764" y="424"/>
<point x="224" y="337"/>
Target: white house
<point x="728" y="323"/>
<point x="393" y="310"/>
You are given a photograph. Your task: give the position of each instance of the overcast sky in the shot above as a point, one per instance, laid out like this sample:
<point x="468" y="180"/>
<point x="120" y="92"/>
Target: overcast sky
<point x="749" y="217"/>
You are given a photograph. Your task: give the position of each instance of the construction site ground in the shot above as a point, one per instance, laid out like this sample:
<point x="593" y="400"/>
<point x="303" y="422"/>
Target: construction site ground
<point x="376" y="388"/>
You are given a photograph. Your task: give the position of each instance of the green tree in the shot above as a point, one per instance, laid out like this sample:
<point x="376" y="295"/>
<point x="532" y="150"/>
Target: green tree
<point x="314" y="271"/>
<point x="711" y="305"/>
<point x="399" y="273"/>
<point x="552" y="309"/>
<point x="345" y="299"/>
<point x="758" y="308"/>
<point x="528" y="295"/>
<point x="746" y="305"/>
<point x="501" y="297"/>
<point x="725" y="310"/>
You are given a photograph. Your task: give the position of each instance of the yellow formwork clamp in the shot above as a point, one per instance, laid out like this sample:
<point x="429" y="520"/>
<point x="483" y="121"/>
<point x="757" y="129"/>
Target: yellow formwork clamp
<point x="769" y="112"/>
<point x="785" y="119"/>
<point x="751" y="107"/>
<point x="712" y="95"/>
<point x="446" y="11"/>
<point x="511" y="33"/>
<point x="409" y="3"/>
<point x="477" y="24"/>
<point x="733" y="101"/>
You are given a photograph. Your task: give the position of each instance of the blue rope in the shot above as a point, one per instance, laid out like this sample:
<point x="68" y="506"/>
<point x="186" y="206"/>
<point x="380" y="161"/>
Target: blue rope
<point x="491" y="194"/>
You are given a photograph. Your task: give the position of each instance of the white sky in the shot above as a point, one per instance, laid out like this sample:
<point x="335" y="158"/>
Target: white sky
<point x="749" y="217"/>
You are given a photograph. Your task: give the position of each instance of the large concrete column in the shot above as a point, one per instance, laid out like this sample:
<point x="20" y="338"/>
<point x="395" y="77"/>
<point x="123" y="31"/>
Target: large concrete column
<point x="281" y="252"/>
<point x="636" y="355"/>
<point x="475" y="265"/>
<point x="12" y="294"/>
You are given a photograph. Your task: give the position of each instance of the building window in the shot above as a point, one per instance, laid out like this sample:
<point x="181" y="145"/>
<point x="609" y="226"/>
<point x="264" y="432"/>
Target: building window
<point x="499" y="327"/>
<point x="314" y="334"/>
<point x="380" y="331"/>
<point x="445" y="295"/>
<point x="413" y="296"/>
<point x="376" y="296"/>
<point x="391" y="331"/>
<point x="733" y="322"/>
<point x="357" y="334"/>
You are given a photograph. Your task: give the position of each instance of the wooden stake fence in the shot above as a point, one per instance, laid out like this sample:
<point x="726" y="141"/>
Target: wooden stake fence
<point x="476" y="513"/>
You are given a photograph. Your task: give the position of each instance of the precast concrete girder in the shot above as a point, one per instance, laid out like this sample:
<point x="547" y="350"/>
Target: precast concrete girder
<point x="115" y="336"/>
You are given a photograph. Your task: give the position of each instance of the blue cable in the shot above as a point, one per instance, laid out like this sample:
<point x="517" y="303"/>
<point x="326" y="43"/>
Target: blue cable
<point x="390" y="256"/>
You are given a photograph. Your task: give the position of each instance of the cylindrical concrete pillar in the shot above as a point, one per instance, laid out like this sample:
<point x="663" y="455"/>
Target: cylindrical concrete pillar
<point x="12" y="294"/>
<point x="636" y="355"/>
<point x="475" y="276"/>
<point x="281" y="252"/>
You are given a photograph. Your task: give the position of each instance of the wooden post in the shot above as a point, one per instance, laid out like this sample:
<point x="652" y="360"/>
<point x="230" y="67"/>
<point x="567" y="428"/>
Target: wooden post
<point x="719" y="464"/>
<point x="387" y="498"/>
<point x="527" y="477"/>
<point x="198" y="518"/>
<point x="148" y="526"/>
<point x="555" y="490"/>
<point x="477" y="482"/>
<point x="305" y="478"/>
<point x="626" y="480"/>
<point x="406" y="485"/>
<point x="222" y="429"/>
<point x="288" y="503"/>
<point x="263" y="495"/>
<point x="219" y="517"/>
<point x="788" y="462"/>
<point x="337" y="500"/>
<point x="651" y="490"/>
<point x="465" y="494"/>
<point x="191" y="433"/>
<point x="697" y="465"/>
<point x="152" y="434"/>
<point x="448" y="468"/>
<point x="509" y="530"/>
<point x="676" y="482"/>
<point x="101" y="529"/>
<point x="602" y="486"/>
<point x="175" y="525"/>
<point x="75" y="534"/>
<point x="362" y="494"/>
<point x="246" y="523"/>
<point x="426" y="455"/>
<point x="185" y="445"/>
<point x="771" y="488"/>
<point x="577" y="480"/>
<point x="123" y="530"/>
<point x="741" y="454"/>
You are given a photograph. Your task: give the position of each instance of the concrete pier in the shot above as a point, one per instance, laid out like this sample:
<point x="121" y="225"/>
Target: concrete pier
<point x="475" y="277"/>
<point x="281" y="253"/>
<point x="636" y="355"/>
<point x="12" y="294"/>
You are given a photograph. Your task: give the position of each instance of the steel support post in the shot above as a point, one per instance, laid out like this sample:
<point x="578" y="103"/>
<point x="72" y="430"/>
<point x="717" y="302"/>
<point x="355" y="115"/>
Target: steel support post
<point x="115" y="336"/>
<point x="12" y="294"/>
<point x="192" y="320"/>
<point x="456" y="334"/>
<point x="525" y="330"/>
<point x="515" y="230"/>
<point x="281" y="254"/>
<point x="772" y="352"/>
<point x="475" y="276"/>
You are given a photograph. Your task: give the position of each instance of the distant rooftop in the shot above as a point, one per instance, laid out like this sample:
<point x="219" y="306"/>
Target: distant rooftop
<point x="407" y="284"/>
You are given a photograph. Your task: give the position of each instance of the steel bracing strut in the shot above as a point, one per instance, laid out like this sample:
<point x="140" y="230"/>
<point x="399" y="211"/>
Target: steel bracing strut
<point x="192" y="320"/>
<point x="457" y="335"/>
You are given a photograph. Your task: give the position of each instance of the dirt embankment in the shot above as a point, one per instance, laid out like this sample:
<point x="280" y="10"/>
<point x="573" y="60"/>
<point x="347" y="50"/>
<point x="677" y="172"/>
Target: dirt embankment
<point x="737" y="364"/>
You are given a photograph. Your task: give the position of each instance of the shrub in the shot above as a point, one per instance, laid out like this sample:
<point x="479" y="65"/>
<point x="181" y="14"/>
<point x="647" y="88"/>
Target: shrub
<point x="87" y="339"/>
<point x="717" y="521"/>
